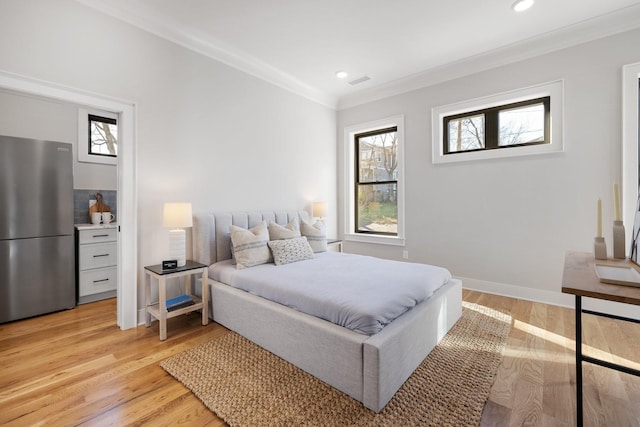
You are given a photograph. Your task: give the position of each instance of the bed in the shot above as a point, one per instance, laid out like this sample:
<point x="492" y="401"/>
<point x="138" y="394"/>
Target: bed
<point x="369" y="368"/>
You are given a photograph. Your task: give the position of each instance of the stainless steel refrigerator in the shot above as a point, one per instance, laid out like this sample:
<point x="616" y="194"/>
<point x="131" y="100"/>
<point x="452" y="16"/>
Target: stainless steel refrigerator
<point x="37" y="258"/>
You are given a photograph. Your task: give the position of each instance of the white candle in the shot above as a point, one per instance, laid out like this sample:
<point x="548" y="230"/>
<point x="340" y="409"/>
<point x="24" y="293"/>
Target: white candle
<point x="616" y="197"/>
<point x="599" y="221"/>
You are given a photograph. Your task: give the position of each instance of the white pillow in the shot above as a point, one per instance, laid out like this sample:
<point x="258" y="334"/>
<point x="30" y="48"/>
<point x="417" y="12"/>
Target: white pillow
<point x="250" y="246"/>
<point x="289" y="231"/>
<point x="290" y="250"/>
<point x="316" y="234"/>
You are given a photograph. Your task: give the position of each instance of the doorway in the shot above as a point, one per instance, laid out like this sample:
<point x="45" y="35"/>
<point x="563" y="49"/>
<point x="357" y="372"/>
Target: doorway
<point x="127" y="312"/>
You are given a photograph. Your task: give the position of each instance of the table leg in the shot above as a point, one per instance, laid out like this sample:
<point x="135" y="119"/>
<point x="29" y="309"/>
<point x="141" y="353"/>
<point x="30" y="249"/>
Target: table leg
<point x="147" y="299"/>
<point x="205" y="298"/>
<point x="187" y="285"/>
<point x="162" y="307"/>
<point x="579" y="407"/>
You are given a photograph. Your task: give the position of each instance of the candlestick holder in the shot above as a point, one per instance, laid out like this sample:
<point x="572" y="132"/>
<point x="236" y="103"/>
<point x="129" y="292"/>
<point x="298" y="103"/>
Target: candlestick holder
<point x="599" y="248"/>
<point x="618" y="240"/>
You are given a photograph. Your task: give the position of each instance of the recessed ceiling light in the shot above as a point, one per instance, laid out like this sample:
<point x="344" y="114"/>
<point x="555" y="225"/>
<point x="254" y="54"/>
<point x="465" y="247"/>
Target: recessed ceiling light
<point x="342" y="74"/>
<point x="521" y="5"/>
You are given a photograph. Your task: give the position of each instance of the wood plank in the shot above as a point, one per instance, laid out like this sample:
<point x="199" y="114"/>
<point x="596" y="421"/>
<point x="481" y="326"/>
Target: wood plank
<point x="77" y="368"/>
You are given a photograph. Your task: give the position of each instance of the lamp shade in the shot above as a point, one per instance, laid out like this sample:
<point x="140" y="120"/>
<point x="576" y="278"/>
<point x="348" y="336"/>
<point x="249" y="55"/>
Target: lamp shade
<point x="320" y="209"/>
<point x="177" y="215"/>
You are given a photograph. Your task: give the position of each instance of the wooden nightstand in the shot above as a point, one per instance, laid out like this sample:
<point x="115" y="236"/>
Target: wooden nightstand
<point x="159" y="310"/>
<point x="335" y="243"/>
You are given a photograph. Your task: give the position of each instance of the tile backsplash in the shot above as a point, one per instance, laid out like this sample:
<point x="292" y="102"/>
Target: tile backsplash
<point x="81" y="203"/>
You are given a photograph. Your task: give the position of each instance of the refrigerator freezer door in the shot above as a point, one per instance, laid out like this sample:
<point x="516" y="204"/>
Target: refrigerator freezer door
<point x="36" y="188"/>
<point x="36" y="276"/>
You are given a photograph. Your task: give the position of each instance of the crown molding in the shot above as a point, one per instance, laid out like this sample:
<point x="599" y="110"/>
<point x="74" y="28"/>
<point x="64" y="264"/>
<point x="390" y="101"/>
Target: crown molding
<point x="617" y="22"/>
<point x="603" y="26"/>
<point x="218" y="51"/>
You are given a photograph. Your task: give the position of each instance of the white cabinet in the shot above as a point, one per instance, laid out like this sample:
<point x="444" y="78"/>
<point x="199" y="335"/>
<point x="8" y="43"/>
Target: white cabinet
<point x="97" y="262"/>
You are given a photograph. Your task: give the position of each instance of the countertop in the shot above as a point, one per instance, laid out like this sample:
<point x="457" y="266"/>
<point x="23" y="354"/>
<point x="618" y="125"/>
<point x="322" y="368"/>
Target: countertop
<point x="95" y="226"/>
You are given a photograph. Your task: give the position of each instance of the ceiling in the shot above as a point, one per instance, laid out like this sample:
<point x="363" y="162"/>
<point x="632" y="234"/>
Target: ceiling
<point x="301" y="44"/>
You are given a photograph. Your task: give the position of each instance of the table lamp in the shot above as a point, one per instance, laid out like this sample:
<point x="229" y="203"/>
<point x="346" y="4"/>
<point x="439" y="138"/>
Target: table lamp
<point x="319" y="210"/>
<point x="177" y="216"/>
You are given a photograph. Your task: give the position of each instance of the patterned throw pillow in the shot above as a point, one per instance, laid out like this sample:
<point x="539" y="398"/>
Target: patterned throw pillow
<point x="289" y="231"/>
<point x="316" y="235"/>
<point x="250" y="246"/>
<point x="290" y="250"/>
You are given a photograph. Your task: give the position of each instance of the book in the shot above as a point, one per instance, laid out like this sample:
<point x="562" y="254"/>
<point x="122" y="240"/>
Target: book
<point x="181" y="305"/>
<point x="179" y="302"/>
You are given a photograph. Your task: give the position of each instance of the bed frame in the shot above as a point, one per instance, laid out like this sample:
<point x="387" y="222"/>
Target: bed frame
<point x="368" y="368"/>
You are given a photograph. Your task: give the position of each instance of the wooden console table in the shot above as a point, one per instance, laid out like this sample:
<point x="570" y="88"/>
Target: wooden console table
<point x="580" y="279"/>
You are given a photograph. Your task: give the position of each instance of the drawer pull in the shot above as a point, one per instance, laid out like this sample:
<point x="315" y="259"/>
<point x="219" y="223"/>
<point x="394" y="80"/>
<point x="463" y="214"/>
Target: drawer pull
<point x="100" y="235"/>
<point x="101" y="280"/>
<point x="101" y="255"/>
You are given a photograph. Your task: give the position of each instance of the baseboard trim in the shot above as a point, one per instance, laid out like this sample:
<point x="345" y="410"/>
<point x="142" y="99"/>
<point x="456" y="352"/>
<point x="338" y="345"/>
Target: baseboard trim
<point x="549" y="297"/>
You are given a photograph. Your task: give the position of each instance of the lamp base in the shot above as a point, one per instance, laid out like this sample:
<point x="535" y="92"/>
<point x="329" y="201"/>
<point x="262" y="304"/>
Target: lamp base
<point x="177" y="246"/>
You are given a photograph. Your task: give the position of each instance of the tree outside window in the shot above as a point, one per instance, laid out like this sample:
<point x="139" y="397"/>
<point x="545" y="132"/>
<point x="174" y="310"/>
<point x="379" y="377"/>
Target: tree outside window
<point x="103" y="136"/>
<point x="510" y="125"/>
<point x="376" y="182"/>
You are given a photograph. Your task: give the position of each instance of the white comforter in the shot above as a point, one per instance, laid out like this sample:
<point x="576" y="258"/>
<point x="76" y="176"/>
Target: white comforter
<point x="358" y="292"/>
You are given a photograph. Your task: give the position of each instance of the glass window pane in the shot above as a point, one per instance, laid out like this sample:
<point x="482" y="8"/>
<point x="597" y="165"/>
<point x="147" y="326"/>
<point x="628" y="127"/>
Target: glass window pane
<point x="103" y="136"/>
<point x="378" y="208"/>
<point x="524" y="125"/>
<point x="377" y="156"/>
<point x="466" y="133"/>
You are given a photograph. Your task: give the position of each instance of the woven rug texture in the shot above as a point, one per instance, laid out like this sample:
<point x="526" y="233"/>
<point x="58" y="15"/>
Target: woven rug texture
<point x="246" y="385"/>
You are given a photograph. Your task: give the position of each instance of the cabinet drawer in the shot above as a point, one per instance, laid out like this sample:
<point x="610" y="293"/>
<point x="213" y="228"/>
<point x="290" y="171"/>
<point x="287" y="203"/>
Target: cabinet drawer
<point x="98" y="255"/>
<point x="98" y="235"/>
<point x="98" y="280"/>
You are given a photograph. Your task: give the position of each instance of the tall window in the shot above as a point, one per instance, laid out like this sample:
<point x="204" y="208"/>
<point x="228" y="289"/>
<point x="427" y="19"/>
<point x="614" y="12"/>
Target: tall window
<point x="376" y="182"/>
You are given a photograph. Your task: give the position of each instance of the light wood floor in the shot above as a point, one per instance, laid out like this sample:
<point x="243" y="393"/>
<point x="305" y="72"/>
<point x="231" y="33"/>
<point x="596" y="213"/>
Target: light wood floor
<point x="77" y="368"/>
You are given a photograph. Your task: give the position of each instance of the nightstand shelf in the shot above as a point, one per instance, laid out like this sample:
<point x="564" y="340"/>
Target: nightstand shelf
<point x="159" y="309"/>
<point x="154" y="309"/>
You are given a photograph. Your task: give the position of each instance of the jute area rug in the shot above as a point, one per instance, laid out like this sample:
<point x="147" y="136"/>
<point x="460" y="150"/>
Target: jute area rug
<point x="246" y="385"/>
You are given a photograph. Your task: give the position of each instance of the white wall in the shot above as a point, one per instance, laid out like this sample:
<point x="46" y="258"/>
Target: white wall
<point x="205" y="132"/>
<point x="29" y="116"/>
<point x="505" y="224"/>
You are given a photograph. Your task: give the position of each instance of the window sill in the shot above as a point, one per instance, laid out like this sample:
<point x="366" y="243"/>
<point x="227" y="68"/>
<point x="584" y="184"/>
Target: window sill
<point x="380" y="240"/>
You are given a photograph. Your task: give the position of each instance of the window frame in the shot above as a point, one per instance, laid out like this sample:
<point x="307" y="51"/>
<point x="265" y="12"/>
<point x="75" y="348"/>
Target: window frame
<point x="492" y="125"/>
<point x="358" y="183"/>
<point x="96" y="118"/>
<point x="349" y="165"/>
<point x="84" y="137"/>
<point x="495" y="103"/>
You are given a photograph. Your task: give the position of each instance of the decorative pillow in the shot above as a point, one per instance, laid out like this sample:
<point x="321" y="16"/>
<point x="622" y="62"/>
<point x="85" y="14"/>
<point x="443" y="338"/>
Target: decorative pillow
<point x="289" y="231"/>
<point x="250" y="246"/>
<point x="316" y="234"/>
<point x="290" y="250"/>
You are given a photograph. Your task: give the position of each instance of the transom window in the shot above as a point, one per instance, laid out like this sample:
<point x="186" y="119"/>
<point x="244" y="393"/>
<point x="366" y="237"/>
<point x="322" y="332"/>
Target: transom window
<point x="376" y="182"/>
<point x="510" y="125"/>
<point x="519" y="122"/>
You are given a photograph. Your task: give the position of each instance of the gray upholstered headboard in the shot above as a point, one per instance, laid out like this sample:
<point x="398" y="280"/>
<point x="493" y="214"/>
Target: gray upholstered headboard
<point x="210" y="232"/>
